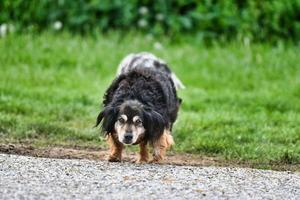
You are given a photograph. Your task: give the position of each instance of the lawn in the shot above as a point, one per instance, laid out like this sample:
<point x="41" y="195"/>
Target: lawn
<point x="241" y="102"/>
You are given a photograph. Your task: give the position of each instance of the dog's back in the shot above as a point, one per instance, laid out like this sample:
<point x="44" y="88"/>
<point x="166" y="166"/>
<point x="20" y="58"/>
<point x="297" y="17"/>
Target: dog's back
<point x="147" y="60"/>
<point x="148" y="86"/>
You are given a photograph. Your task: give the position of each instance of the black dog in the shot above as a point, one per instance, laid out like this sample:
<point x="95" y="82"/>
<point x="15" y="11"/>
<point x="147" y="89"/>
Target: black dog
<point x="140" y="107"/>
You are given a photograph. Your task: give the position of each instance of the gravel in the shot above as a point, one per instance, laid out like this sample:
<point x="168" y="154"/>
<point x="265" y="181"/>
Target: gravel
<point x="24" y="177"/>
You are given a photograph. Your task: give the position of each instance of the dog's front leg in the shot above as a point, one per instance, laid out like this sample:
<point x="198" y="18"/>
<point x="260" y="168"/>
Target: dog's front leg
<point x="161" y="145"/>
<point x="115" y="148"/>
<point x="144" y="155"/>
<point x="159" y="152"/>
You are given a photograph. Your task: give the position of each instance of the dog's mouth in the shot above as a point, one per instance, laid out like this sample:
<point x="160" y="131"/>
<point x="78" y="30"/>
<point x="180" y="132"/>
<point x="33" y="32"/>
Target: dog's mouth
<point x="127" y="141"/>
<point x="130" y="138"/>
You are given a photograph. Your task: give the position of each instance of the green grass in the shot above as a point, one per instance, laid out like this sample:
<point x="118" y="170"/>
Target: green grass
<point x="242" y="102"/>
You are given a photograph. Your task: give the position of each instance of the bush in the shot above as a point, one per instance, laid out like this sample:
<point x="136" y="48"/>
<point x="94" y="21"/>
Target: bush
<point x="256" y="19"/>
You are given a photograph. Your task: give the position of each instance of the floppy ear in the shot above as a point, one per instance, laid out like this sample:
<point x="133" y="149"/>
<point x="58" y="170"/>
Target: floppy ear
<point x="99" y="118"/>
<point x="109" y="116"/>
<point x="154" y="123"/>
<point x="109" y="93"/>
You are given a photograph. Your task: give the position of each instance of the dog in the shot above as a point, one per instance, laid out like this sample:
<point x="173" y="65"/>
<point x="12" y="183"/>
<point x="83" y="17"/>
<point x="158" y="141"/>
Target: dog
<point x="146" y="59"/>
<point x="140" y="107"/>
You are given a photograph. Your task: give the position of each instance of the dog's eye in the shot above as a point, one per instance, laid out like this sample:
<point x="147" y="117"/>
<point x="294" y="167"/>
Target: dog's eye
<point x="138" y="122"/>
<point x="121" y="120"/>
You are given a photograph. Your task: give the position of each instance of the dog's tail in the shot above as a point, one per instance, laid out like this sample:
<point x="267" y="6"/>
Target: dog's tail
<point x="145" y="59"/>
<point x="178" y="84"/>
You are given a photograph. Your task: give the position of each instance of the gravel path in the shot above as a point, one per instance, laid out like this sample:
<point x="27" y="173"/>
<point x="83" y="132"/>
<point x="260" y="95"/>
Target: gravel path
<point x="24" y="177"/>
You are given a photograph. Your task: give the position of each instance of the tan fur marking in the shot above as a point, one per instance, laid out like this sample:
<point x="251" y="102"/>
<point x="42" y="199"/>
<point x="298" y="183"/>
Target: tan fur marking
<point x="115" y="149"/>
<point x="161" y="145"/>
<point x="144" y="155"/>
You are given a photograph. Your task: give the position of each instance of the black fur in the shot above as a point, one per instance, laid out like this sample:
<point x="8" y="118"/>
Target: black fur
<point x="153" y="89"/>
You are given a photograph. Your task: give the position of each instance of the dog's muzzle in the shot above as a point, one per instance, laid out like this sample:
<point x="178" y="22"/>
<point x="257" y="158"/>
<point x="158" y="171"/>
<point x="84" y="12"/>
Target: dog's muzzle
<point x="127" y="138"/>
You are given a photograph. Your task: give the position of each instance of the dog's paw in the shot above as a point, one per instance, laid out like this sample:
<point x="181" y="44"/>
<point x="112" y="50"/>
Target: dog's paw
<point x="141" y="161"/>
<point x="114" y="159"/>
<point x="155" y="161"/>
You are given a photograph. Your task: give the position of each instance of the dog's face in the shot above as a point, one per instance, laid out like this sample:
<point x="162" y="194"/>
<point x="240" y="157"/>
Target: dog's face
<point x="131" y="121"/>
<point x="129" y="126"/>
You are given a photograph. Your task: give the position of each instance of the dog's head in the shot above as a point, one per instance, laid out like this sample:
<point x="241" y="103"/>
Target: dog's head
<point x="131" y="122"/>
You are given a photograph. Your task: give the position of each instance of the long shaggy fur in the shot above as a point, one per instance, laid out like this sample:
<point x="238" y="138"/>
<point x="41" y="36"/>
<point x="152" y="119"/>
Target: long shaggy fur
<point x="153" y="89"/>
<point x="148" y="60"/>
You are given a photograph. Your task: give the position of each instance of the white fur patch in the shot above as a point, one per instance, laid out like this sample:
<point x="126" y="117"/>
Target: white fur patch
<point x="124" y="117"/>
<point x="145" y="59"/>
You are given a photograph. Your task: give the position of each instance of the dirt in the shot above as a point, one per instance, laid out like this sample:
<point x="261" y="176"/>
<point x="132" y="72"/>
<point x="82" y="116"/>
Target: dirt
<point x="101" y="154"/>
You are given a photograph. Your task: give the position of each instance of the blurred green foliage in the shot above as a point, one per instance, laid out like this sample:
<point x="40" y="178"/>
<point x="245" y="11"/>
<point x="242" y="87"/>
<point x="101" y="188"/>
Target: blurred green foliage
<point x="207" y="19"/>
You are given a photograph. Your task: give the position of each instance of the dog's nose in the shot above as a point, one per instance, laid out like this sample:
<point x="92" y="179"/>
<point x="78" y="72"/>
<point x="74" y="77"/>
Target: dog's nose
<point x="128" y="136"/>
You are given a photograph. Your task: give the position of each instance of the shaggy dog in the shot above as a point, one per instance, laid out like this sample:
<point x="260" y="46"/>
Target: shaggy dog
<point x="140" y="107"/>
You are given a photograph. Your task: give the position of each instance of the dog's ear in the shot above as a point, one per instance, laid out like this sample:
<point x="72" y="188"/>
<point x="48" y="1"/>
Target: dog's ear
<point x="109" y="93"/>
<point x="154" y="122"/>
<point x="99" y="118"/>
<point x="108" y="117"/>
